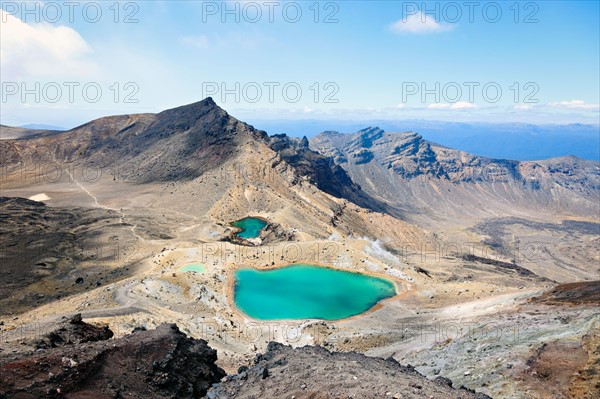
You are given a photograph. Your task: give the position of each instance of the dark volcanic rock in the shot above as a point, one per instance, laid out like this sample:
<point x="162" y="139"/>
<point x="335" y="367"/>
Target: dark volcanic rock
<point x="320" y="170"/>
<point x="161" y="363"/>
<point x="412" y="156"/>
<point x="581" y="293"/>
<point x="502" y="265"/>
<point x="314" y="372"/>
<point x="74" y="332"/>
<point x="361" y="156"/>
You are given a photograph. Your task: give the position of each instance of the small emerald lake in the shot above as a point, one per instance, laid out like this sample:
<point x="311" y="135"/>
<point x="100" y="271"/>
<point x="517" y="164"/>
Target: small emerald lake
<point x="194" y="267"/>
<point x="250" y="227"/>
<point x="303" y="291"/>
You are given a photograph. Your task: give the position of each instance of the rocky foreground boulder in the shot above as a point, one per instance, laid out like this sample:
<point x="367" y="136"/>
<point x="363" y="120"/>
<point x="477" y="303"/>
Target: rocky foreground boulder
<point x="80" y="360"/>
<point x="316" y="373"/>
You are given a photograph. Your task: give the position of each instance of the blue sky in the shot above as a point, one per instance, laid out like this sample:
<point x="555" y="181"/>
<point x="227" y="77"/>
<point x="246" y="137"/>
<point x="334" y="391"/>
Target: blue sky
<point x="371" y="60"/>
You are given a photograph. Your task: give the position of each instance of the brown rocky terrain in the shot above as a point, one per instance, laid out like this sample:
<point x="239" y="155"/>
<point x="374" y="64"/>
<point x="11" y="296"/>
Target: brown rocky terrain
<point x="187" y="151"/>
<point x="10" y="132"/>
<point x="79" y="360"/>
<point x="51" y="252"/>
<point x="315" y="372"/>
<point x="180" y="143"/>
<point x="587" y="292"/>
<point x="128" y="201"/>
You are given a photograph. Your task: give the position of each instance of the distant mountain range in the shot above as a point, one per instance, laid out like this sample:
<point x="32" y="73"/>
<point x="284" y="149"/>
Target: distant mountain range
<point x="39" y="126"/>
<point x="518" y="141"/>
<point x="414" y="176"/>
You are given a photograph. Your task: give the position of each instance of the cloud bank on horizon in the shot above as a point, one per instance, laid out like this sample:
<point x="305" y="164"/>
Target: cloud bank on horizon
<point x="534" y="62"/>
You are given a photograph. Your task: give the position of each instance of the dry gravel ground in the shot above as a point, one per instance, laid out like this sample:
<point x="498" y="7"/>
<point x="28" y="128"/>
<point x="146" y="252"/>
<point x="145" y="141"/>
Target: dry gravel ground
<point x="314" y="372"/>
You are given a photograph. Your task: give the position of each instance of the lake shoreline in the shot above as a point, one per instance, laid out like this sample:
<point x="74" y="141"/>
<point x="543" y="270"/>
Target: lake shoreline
<point x="401" y="289"/>
<point x="241" y="230"/>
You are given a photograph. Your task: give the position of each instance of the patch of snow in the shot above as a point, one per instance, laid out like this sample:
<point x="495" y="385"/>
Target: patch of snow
<point x="39" y="197"/>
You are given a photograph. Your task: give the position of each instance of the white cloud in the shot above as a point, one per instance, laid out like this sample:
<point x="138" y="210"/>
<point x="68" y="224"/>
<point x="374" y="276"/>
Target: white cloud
<point x="523" y="107"/>
<point x="419" y="23"/>
<point x="574" y="104"/>
<point x="439" y="106"/>
<point x="38" y="50"/>
<point x="456" y="105"/>
<point x="463" y="105"/>
<point x="200" y="42"/>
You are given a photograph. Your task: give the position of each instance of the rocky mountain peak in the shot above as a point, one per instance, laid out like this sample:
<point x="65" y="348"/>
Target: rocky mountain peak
<point x="406" y="154"/>
<point x="371" y="130"/>
<point x="177" y="144"/>
<point x="196" y="109"/>
<point x="366" y="137"/>
<point x="304" y="142"/>
<point x="331" y="133"/>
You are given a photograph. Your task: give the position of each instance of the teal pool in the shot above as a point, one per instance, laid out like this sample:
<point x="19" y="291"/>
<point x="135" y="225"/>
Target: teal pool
<point x="304" y="291"/>
<point x="251" y="227"/>
<point x="194" y="267"/>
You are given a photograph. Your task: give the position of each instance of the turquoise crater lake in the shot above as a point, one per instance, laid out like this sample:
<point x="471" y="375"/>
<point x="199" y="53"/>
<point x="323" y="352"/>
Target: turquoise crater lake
<point x="194" y="267"/>
<point x="250" y="227"/>
<point x="304" y="291"/>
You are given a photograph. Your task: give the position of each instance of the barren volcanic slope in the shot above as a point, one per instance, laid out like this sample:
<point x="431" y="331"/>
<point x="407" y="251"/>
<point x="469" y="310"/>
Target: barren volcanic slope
<point x="129" y="201"/>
